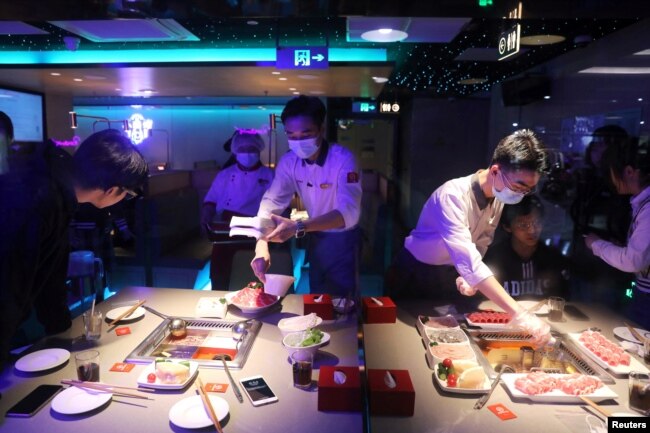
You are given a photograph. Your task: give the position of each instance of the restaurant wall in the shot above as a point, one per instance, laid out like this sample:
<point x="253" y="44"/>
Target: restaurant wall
<point x="188" y="133"/>
<point x="445" y="139"/>
<point x="57" y="117"/>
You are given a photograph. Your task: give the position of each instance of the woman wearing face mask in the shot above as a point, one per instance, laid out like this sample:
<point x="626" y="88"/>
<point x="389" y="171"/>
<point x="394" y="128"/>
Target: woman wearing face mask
<point x="236" y="190"/>
<point x="326" y="177"/>
<point x="457" y="224"/>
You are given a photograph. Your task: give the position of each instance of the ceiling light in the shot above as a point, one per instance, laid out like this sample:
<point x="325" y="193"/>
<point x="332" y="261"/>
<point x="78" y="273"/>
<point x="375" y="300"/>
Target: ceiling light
<point x="472" y="81"/>
<point x="77" y="79"/>
<point x="55" y="74"/>
<point x="380" y="80"/>
<point x="316" y="92"/>
<point x="384" y="35"/>
<point x="296" y="93"/>
<point x="275" y="73"/>
<point x="307" y="77"/>
<point x="515" y="124"/>
<point x="94" y="77"/>
<point x="642" y="122"/>
<point x="616" y="70"/>
<point x="117" y="89"/>
<point x="252" y="22"/>
<point x="541" y="39"/>
<point x="282" y="78"/>
<point x="640" y="99"/>
<point x="292" y="88"/>
<point x="547" y="96"/>
<point x="146" y="91"/>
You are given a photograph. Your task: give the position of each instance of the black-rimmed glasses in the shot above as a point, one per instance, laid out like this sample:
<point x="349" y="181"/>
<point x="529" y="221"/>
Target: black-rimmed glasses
<point x="518" y="189"/>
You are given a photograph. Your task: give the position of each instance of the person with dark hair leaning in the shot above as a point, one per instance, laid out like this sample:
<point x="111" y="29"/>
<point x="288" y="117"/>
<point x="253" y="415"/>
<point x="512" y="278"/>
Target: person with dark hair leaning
<point x="629" y="167"/>
<point x="525" y="267"/>
<point x="456" y="225"/>
<point x="6" y="138"/>
<point x="38" y="201"/>
<point x="327" y="179"/>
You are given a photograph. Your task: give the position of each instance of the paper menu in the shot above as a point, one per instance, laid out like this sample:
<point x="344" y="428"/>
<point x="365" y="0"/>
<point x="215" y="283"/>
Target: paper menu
<point x="254" y="227"/>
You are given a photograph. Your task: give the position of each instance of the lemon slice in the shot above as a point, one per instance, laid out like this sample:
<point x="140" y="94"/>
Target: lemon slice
<point x="460" y="365"/>
<point x="472" y="378"/>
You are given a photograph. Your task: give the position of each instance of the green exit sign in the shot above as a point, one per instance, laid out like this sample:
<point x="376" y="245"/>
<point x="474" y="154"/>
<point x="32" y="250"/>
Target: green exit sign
<point x="484" y="3"/>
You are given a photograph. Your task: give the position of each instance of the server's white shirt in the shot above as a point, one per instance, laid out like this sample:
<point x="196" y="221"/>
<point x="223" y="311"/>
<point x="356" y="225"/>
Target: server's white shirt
<point x="456" y="226"/>
<point x="635" y="256"/>
<point x="238" y="190"/>
<point x="330" y="183"/>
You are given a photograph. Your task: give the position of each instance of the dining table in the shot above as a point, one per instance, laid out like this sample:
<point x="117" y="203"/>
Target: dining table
<point x="295" y="411"/>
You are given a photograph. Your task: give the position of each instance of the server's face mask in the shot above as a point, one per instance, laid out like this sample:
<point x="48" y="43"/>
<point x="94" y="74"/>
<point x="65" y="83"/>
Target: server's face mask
<point x="248" y="159"/>
<point x="304" y="148"/>
<point x="507" y="195"/>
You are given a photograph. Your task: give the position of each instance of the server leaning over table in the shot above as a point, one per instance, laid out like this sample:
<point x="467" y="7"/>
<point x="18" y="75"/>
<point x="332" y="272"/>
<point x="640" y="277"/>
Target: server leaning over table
<point x="458" y="223"/>
<point x="327" y="179"/>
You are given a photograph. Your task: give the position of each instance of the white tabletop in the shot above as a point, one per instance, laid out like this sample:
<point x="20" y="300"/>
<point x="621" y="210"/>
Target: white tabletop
<point x="296" y="410"/>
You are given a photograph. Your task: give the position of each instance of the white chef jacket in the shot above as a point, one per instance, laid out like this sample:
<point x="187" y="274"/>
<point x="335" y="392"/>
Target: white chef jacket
<point x="238" y="190"/>
<point x="456" y="226"/>
<point x="332" y="182"/>
<point x="635" y="256"/>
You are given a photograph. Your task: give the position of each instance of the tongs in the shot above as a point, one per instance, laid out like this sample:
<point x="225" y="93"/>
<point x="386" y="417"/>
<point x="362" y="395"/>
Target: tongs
<point x="484" y="398"/>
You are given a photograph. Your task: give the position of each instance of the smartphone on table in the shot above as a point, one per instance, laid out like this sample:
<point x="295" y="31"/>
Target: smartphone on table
<point x="34" y="401"/>
<point x="257" y="390"/>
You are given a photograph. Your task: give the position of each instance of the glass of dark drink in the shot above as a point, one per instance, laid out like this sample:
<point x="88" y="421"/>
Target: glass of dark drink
<point x="639" y="384"/>
<point x="87" y="365"/>
<point x="302" y="363"/>
<point x="555" y="308"/>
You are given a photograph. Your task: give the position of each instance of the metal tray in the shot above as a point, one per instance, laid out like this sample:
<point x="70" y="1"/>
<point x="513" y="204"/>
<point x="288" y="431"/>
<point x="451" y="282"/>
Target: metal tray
<point x="216" y="329"/>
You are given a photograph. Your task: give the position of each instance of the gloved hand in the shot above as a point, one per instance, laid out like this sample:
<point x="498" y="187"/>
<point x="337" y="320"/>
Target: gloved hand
<point x="537" y="328"/>
<point x="464" y="288"/>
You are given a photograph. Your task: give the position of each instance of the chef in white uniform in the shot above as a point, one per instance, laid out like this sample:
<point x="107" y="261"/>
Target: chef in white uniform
<point x="327" y="179"/>
<point x="236" y="190"/>
<point x="457" y="224"/>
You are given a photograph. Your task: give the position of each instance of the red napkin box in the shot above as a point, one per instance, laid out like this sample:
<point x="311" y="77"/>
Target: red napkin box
<point x="324" y="309"/>
<point x="375" y="313"/>
<point x="385" y="401"/>
<point x="339" y="397"/>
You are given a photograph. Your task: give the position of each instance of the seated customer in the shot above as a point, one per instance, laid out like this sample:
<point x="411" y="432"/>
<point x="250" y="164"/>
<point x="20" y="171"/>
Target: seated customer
<point x="236" y="190"/>
<point x="525" y="267"/>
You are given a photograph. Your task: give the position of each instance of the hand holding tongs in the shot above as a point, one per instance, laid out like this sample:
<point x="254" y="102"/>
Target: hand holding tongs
<point x="484" y="398"/>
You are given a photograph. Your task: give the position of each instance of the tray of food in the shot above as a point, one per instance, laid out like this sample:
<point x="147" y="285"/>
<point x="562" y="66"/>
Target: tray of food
<point x="168" y="374"/>
<point x="540" y="387"/>
<point x="488" y="319"/>
<point x="252" y="299"/>
<point x="461" y="377"/>
<point x="606" y="353"/>
<point x="425" y="323"/>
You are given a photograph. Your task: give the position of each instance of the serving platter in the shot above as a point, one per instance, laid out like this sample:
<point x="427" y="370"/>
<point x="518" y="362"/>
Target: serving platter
<point x="157" y="384"/>
<point x="246" y="309"/>
<point x="616" y="369"/>
<point x="443" y="385"/>
<point x="555" y="396"/>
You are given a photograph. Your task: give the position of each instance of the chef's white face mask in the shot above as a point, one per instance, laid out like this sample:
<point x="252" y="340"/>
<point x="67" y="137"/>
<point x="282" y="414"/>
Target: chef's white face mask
<point x="247" y="159"/>
<point x="506" y="195"/>
<point x="304" y="148"/>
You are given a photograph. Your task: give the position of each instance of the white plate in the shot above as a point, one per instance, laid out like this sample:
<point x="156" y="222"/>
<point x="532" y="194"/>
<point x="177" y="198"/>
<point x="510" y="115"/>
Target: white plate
<point x="443" y="385"/>
<point x="117" y="312"/>
<point x="248" y="310"/>
<point x="75" y="400"/>
<point x="493" y="326"/>
<point x="489" y="305"/>
<point x="555" y="396"/>
<point x="142" y="379"/>
<point x="191" y="413"/>
<point x="42" y="360"/>
<point x="625" y="334"/>
<point x="618" y="369"/>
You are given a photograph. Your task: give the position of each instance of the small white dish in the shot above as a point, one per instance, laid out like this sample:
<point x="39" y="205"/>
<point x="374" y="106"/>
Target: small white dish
<point x="298" y="323"/>
<point x="625" y="334"/>
<point x="42" y="360"/>
<point x="117" y="312"/>
<point x="74" y="400"/>
<point x="192" y="413"/>
<point x="151" y="368"/>
<point x="292" y="342"/>
<point x="455" y="389"/>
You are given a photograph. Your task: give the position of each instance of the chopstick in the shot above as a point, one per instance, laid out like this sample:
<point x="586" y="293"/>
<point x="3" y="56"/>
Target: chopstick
<point x="97" y="387"/>
<point x="125" y="314"/>
<point x="591" y="403"/>
<point x="635" y="333"/>
<point x="108" y="385"/>
<point x="208" y="404"/>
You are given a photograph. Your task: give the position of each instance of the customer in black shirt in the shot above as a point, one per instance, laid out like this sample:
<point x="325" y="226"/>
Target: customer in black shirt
<point x="39" y="195"/>
<point x="526" y="267"/>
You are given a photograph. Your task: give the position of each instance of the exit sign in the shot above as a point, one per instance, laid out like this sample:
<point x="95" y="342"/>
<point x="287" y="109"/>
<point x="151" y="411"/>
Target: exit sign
<point x="302" y="58"/>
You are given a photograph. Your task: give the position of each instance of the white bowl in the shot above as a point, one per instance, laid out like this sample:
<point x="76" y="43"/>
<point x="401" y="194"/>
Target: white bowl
<point x="292" y="340"/>
<point x="277" y="284"/>
<point x="297" y="324"/>
<point x="340" y="305"/>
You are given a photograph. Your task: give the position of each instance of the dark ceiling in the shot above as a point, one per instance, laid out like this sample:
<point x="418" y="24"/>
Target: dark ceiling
<point x="431" y="69"/>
